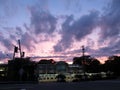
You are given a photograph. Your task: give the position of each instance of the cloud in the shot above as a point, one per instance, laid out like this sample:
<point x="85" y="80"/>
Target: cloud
<point x="19" y="31"/>
<point x="27" y="41"/>
<point x="42" y="21"/>
<point x="110" y="50"/>
<point x="43" y="25"/>
<point x="76" y="29"/>
<point x="110" y="28"/>
<point x="6" y="43"/>
<point x="2" y="55"/>
<point x="110" y="20"/>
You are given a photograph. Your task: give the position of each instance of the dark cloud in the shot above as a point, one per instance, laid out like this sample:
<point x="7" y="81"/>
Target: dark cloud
<point x="28" y="41"/>
<point x="85" y="25"/>
<point x="5" y="55"/>
<point x="6" y="38"/>
<point x="112" y="49"/>
<point x="42" y="25"/>
<point x="6" y="43"/>
<point x="42" y="21"/>
<point x="105" y="51"/>
<point x="77" y="30"/>
<point x="14" y="34"/>
<point x="11" y="35"/>
<point x="26" y="27"/>
<point x="110" y="20"/>
<point x="110" y="28"/>
<point x="19" y="31"/>
<point x="2" y="55"/>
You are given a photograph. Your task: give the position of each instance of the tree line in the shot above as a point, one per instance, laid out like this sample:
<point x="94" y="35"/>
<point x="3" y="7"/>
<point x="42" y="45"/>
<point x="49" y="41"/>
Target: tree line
<point x="93" y="65"/>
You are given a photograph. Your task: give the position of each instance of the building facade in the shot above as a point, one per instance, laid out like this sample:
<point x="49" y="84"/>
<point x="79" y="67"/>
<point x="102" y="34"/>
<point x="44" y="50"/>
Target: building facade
<point x="48" y="72"/>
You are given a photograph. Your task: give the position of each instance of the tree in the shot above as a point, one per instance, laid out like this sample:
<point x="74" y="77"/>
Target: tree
<point x="113" y="65"/>
<point x="77" y="60"/>
<point x="83" y="60"/>
<point x="94" y="66"/>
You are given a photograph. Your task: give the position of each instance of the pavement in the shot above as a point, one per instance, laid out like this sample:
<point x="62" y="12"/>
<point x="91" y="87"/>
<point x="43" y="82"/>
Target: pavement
<point x="87" y="85"/>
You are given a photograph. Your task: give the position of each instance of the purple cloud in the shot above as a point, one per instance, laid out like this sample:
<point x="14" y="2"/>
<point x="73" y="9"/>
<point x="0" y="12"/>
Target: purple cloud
<point x="110" y="28"/>
<point x="110" y="20"/>
<point x="42" y="21"/>
<point x="78" y="29"/>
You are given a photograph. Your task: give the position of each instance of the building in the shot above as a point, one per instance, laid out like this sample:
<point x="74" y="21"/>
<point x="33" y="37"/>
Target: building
<point x="48" y="71"/>
<point x="75" y="69"/>
<point x="3" y="72"/>
<point x="46" y="68"/>
<point x="61" y="67"/>
<point x="21" y="69"/>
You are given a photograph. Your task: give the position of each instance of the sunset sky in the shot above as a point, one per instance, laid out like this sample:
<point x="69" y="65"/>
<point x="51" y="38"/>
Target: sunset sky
<point x="58" y="28"/>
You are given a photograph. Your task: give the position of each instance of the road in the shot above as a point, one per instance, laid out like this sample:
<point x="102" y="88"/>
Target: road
<point x="88" y="85"/>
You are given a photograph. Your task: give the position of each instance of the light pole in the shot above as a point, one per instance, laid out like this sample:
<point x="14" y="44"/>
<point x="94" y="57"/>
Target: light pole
<point x="83" y="53"/>
<point x="83" y="61"/>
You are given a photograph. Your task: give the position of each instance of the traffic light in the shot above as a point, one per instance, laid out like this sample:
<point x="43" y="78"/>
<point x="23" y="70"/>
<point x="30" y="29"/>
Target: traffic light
<point x="15" y="49"/>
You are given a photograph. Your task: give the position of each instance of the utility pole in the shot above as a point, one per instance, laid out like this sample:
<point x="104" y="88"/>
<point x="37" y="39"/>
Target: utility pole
<point x="16" y="48"/>
<point x="15" y="51"/>
<point x="83" y="51"/>
<point x="21" y="70"/>
<point x="14" y="54"/>
<point x="20" y="48"/>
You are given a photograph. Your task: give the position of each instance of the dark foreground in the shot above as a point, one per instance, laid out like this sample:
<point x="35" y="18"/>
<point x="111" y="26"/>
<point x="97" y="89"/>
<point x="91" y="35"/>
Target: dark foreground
<point x="90" y="85"/>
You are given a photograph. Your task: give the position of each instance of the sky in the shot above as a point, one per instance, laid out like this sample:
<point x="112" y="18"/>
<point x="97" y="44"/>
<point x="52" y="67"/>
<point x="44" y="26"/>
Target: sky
<point x="59" y="28"/>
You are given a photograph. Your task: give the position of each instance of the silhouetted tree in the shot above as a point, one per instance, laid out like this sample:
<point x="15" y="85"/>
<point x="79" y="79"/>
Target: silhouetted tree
<point x="82" y="60"/>
<point x="113" y="65"/>
<point x="89" y="63"/>
<point x="77" y="60"/>
<point x="94" y="66"/>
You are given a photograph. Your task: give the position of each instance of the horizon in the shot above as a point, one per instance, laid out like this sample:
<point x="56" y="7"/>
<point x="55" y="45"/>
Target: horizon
<point x="59" y="28"/>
